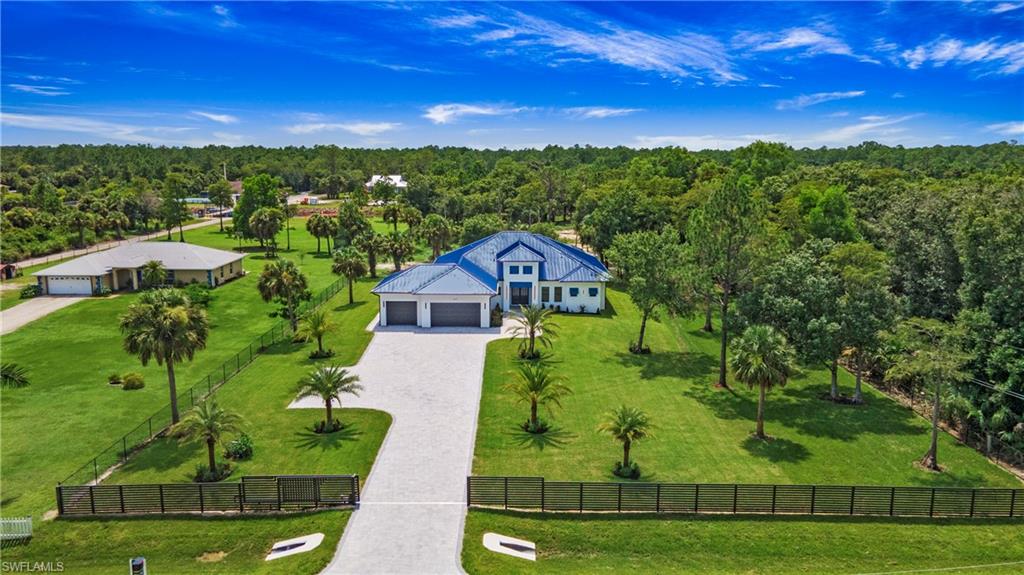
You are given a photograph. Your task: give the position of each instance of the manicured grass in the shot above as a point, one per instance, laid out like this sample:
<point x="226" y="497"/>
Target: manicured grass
<point x="702" y="433"/>
<point x="569" y="544"/>
<point x="69" y="412"/>
<point x="182" y="544"/>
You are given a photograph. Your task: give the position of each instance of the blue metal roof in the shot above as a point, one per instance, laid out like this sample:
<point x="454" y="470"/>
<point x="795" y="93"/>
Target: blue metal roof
<point x="447" y="279"/>
<point x="481" y="260"/>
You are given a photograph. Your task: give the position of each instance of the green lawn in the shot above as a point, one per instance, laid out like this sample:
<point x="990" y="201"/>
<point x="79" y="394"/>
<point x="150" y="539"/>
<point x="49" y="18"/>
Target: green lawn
<point x="703" y="433"/>
<point x="70" y="353"/>
<point x="568" y="544"/>
<point x="182" y="544"/>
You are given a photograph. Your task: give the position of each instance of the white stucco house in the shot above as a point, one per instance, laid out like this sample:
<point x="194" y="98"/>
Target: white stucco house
<point x="394" y="179"/>
<point x="120" y="268"/>
<point x="507" y="269"/>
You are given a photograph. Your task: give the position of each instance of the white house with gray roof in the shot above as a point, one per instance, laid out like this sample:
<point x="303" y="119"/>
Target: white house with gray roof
<point x="121" y="268"/>
<point x="508" y="269"/>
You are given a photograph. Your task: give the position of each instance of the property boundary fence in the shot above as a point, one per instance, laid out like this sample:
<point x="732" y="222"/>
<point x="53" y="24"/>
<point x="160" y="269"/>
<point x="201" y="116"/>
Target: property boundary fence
<point x="252" y="494"/>
<point x="15" y="528"/>
<point x="534" y="493"/>
<point x="120" y="450"/>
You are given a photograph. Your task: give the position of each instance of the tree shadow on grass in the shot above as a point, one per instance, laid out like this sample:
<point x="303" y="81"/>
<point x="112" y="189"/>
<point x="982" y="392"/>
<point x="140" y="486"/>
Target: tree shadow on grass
<point x="349" y="306"/>
<point x="669" y="364"/>
<point x="555" y="438"/>
<point x="776" y="449"/>
<point x="308" y="439"/>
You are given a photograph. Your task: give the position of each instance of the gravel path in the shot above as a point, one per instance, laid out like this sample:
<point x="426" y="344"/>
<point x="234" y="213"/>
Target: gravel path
<point x="412" y="511"/>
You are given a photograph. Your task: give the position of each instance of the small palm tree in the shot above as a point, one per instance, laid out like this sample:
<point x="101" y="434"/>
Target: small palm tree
<point x="154" y="274"/>
<point x="283" y="281"/>
<point x="350" y="263"/>
<point x="533" y="325"/>
<point x="13" y="375"/>
<point x="371" y="243"/>
<point x="314" y="225"/>
<point x="538" y="386"/>
<point x="761" y="357"/>
<point x="328" y="383"/>
<point x="627" y="425"/>
<point x="315" y="325"/>
<point x="400" y="246"/>
<point x="208" y="422"/>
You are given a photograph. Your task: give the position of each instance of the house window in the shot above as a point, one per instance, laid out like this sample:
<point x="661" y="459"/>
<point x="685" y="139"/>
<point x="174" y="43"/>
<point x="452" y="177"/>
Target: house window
<point x="231" y="268"/>
<point x="558" y="294"/>
<point x="170" y="277"/>
<point x="527" y="270"/>
<point x="513" y="269"/>
<point x="592" y="292"/>
<point x="573" y="292"/>
<point x="221" y="271"/>
<point x="545" y="293"/>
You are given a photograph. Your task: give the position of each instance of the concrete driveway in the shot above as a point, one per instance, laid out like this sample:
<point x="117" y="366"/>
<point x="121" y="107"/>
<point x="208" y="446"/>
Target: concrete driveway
<point x="33" y="309"/>
<point x="411" y="515"/>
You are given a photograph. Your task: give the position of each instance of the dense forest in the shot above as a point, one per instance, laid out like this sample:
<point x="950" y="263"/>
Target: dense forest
<point x="905" y="265"/>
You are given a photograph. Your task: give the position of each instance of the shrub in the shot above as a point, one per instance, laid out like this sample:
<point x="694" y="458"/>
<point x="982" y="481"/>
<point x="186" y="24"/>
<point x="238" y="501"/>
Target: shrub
<point x="133" y="380"/>
<point x="541" y="427"/>
<point x="239" y="448"/>
<point x="103" y="291"/>
<point x="496" y="316"/>
<point x="30" y="291"/>
<point x="115" y="379"/>
<point x="205" y="475"/>
<point x="545" y="229"/>
<point x="317" y="354"/>
<point x="632" y="471"/>
<point x="320" y="426"/>
<point x="199" y="294"/>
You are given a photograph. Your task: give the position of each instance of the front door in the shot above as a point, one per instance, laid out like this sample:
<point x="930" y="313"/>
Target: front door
<point x="520" y="295"/>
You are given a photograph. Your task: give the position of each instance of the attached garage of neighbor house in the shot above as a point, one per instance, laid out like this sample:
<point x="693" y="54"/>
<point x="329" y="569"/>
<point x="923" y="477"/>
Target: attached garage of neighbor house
<point x="399" y="312"/>
<point x="455" y="314"/>
<point x="69" y="285"/>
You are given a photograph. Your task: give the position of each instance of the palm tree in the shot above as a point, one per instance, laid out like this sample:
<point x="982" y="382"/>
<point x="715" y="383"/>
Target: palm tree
<point x="328" y="383"/>
<point x="761" y="357"/>
<point x="626" y="425"/>
<point x="164" y="325"/>
<point x="371" y="243"/>
<point x="533" y="325"/>
<point x="13" y="375"/>
<point x="315" y="325"/>
<point x="412" y="216"/>
<point x="220" y="193"/>
<point x="400" y="246"/>
<point x="330" y="230"/>
<point x="79" y="221"/>
<point x="154" y="274"/>
<point x="282" y="280"/>
<point x="393" y="212"/>
<point x="265" y="223"/>
<point x="437" y="231"/>
<point x="208" y="422"/>
<point x="535" y="384"/>
<point x="349" y="262"/>
<point x="314" y="225"/>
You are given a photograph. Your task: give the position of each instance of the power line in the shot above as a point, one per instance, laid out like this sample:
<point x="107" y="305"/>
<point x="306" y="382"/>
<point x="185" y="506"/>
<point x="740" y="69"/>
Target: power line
<point x="992" y="387"/>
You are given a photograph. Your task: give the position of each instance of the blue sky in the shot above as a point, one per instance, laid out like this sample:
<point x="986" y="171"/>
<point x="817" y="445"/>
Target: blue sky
<point x="715" y="75"/>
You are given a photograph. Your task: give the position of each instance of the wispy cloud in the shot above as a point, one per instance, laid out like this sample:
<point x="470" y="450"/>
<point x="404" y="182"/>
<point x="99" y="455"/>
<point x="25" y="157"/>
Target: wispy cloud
<point x="591" y="112"/>
<point x="365" y="129"/>
<point x="39" y="90"/>
<point x="875" y="127"/>
<point x="704" y="142"/>
<point x="460" y="20"/>
<point x="1007" y="128"/>
<point x="219" y="118"/>
<point x="807" y="41"/>
<point x="226" y="19"/>
<point x="110" y="131"/>
<point x="447" y="113"/>
<point x="767" y="85"/>
<point x="1006" y="7"/>
<point x="804" y="100"/>
<point x="1003" y="57"/>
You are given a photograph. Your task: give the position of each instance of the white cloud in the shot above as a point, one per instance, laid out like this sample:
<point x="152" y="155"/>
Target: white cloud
<point x="1005" y="58"/>
<point x="808" y="41"/>
<point x="226" y="20"/>
<point x="589" y="112"/>
<point x="898" y="95"/>
<point x="1006" y="7"/>
<point x="39" y="90"/>
<point x="703" y="142"/>
<point x="113" y="131"/>
<point x="804" y="100"/>
<point x="1007" y="128"/>
<point x="767" y="85"/>
<point x="869" y="127"/>
<point x="219" y="118"/>
<point x="461" y="20"/>
<point x="446" y="113"/>
<point x="357" y="128"/>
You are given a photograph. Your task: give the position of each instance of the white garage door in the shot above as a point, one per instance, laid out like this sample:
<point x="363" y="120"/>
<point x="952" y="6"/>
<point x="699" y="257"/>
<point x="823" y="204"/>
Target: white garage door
<point x="70" y="285"/>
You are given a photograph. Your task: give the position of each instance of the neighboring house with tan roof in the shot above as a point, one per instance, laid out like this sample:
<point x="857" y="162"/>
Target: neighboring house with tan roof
<point x="120" y="268"/>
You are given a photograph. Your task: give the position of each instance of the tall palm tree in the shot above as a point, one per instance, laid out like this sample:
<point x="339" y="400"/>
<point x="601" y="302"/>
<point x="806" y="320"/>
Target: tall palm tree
<point x="371" y="244"/>
<point x="164" y="325"/>
<point x="315" y="325"/>
<point x="393" y="212"/>
<point x="208" y="422"/>
<point x="328" y="383"/>
<point x="330" y="230"/>
<point x="282" y="281"/>
<point x="538" y="386"/>
<point x="314" y="225"/>
<point x="627" y="425"/>
<point x="400" y="246"/>
<point x="534" y="324"/>
<point x="13" y="375"/>
<point x="154" y="274"/>
<point x="348" y="262"/>
<point x="761" y="357"/>
<point x="79" y="221"/>
<point x="437" y="231"/>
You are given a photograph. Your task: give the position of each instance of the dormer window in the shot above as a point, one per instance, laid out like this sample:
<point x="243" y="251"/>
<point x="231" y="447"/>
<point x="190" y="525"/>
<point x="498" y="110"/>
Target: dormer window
<point x="513" y="269"/>
<point x="527" y="270"/>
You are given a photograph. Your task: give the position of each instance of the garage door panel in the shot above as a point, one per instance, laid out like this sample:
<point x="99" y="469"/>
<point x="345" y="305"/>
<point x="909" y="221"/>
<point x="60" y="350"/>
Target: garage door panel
<point x="455" y="315"/>
<point x="69" y="286"/>
<point x="400" y="312"/>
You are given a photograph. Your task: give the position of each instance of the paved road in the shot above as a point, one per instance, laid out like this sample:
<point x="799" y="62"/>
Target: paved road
<point x="413" y="508"/>
<point x="31" y="310"/>
<point x="111" y="244"/>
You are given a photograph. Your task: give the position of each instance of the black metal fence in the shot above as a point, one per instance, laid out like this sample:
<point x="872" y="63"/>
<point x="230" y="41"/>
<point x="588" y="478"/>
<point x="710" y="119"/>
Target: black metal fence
<point x="120" y="450"/>
<point x="534" y="493"/>
<point x="251" y="494"/>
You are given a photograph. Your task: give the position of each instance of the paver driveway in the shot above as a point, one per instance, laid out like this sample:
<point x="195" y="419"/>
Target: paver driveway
<point x="411" y="513"/>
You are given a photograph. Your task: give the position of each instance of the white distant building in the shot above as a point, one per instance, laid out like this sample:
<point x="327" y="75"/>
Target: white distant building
<point x="394" y="179"/>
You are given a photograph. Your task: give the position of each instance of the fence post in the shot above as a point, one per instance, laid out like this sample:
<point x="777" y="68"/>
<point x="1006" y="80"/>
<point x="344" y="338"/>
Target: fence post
<point x="1013" y="499"/>
<point x="853" y="497"/>
<point x="124" y="447"/>
<point x="543" y="488"/>
<point x="469" y="492"/>
<point x="892" y="501"/>
<point x="209" y="384"/>
<point x="60" y="501"/>
<point x="813" y="497"/>
<point x="506" y="492"/>
<point x="92" y="499"/>
<point x="162" y="509"/>
<point x="620" y="498"/>
<point x="696" y="497"/>
<point x="277" y="480"/>
<point x="775" y="488"/>
<point x="735" y="496"/>
<point x="973" y="493"/>
<point x="224" y="371"/>
<point x="202" y="508"/>
<point x="931" y="505"/>
<point x="241" y="497"/>
<point x="95" y="471"/>
<point x="657" y="498"/>
<point x="151" y="426"/>
<point x="581" y="497"/>
<point x="120" y="496"/>
<point x="191" y="399"/>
